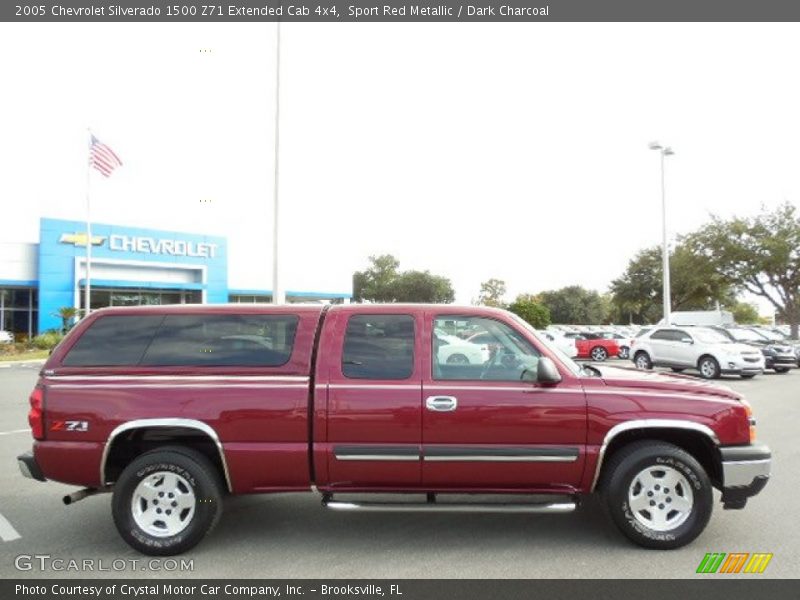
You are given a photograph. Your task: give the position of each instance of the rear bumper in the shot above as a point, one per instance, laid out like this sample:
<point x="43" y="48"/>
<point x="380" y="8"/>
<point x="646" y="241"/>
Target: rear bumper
<point x="29" y="467"/>
<point x="745" y="472"/>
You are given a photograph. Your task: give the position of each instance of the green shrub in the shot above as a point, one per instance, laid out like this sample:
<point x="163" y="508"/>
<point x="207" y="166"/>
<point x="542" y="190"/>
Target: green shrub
<point x="47" y="340"/>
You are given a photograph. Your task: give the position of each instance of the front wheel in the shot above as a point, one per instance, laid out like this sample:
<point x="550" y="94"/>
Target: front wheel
<point x="709" y="367"/>
<point x="658" y="495"/>
<point x="167" y="500"/>
<point x="624" y="352"/>
<point x="781" y="370"/>
<point x="642" y="361"/>
<point x="599" y="353"/>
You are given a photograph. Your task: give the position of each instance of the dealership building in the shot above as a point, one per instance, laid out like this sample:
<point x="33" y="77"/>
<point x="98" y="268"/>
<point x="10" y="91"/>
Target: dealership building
<point x="129" y="266"/>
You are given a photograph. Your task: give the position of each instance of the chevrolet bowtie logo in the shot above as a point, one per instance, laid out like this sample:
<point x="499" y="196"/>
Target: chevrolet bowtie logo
<point x="79" y="239"/>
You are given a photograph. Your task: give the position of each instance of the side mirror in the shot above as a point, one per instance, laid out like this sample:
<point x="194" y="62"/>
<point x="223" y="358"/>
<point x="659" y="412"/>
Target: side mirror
<point x="546" y="371"/>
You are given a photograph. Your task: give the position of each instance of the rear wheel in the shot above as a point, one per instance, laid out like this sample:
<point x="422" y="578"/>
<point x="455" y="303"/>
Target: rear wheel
<point x="457" y="359"/>
<point x="709" y="367"/>
<point x="642" y="361"/>
<point x="599" y="353"/>
<point x="658" y="495"/>
<point x="167" y="500"/>
<point x="781" y="369"/>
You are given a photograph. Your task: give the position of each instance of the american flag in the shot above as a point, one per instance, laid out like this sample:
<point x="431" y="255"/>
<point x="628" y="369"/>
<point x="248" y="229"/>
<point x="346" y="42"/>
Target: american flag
<point x="102" y="158"/>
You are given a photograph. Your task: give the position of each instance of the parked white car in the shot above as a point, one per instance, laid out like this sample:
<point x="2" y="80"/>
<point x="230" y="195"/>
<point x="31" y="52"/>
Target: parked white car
<point x="6" y="337"/>
<point x="565" y="344"/>
<point x="455" y="351"/>
<point x="699" y="348"/>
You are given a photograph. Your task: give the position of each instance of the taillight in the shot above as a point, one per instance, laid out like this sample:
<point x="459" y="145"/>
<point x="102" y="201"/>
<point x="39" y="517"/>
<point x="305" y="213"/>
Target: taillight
<point x="748" y="410"/>
<point x="36" y="414"/>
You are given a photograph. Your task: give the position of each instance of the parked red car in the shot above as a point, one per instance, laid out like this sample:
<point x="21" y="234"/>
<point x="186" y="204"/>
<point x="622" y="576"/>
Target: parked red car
<point x="594" y="345"/>
<point x="169" y="408"/>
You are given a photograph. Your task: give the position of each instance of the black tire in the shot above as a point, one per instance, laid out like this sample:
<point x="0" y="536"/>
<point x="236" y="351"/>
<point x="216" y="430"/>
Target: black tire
<point x="642" y="361"/>
<point x="619" y="475"/>
<point x="678" y="369"/>
<point x="624" y="352"/>
<point x="782" y="370"/>
<point x="197" y="471"/>
<point x="598" y="353"/>
<point x="708" y="367"/>
<point x="457" y="359"/>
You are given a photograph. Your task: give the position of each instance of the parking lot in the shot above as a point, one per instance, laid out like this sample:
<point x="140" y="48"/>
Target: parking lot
<point x="291" y="536"/>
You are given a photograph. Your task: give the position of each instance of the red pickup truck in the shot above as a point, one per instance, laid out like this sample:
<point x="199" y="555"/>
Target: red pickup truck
<point x="171" y="408"/>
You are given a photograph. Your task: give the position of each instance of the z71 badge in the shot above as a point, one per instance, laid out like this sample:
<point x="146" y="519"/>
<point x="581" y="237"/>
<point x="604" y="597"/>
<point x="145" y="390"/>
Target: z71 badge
<point x="70" y="426"/>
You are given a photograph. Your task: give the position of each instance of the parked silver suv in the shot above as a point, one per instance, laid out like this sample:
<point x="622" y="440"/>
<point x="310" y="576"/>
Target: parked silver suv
<point x="699" y="348"/>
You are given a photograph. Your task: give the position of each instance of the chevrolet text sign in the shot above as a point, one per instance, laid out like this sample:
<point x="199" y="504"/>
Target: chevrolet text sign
<point x="149" y="245"/>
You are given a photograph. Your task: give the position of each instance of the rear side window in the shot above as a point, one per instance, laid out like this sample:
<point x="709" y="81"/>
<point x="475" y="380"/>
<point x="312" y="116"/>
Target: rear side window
<point x="186" y="340"/>
<point x="222" y="341"/>
<point x="662" y="334"/>
<point x="379" y="347"/>
<point x="113" y="341"/>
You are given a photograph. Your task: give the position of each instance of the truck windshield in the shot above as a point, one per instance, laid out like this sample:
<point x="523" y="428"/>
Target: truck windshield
<point x="551" y="345"/>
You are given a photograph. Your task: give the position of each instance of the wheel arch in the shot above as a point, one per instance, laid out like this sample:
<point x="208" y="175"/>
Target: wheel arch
<point x="695" y="438"/>
<point x="707" y="355"/>
<point x="132" y="438"/>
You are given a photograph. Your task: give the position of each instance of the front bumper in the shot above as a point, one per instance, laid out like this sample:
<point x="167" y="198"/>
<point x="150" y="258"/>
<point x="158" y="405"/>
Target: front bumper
<point x="29" y="467"/>
<point x="745" y="472"/>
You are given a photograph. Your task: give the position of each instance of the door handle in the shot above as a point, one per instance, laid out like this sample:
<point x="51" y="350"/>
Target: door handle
<point x="441" y="403"/>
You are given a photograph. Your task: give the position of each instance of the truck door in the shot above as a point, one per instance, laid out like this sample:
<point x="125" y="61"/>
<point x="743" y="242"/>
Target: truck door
<point x="373" y="399"/>
<point x="485" y="428"/>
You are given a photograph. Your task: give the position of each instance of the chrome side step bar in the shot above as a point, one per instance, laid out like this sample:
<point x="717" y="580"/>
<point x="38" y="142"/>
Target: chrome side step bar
<point x="487" y="507"/>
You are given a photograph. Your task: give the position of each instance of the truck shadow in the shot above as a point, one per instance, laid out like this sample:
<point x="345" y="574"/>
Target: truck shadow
<point x="300" y="521"/>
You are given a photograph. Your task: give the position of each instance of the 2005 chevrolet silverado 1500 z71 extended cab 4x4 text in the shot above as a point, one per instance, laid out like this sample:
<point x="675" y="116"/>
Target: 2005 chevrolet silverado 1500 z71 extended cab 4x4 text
<point x="171" y="407"/>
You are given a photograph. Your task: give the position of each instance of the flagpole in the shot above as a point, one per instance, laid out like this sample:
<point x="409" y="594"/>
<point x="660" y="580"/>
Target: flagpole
<point x="88" y="286"/>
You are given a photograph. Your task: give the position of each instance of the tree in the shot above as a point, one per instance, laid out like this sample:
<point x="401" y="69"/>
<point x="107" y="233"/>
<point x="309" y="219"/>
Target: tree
<point x="383" y="282"/>
<point x="695" y="285"/>
<point x="375" y="283"/>
<point x="574" y="304"/>
<point x="761" y="254"/>
<point x="422" y="286"/>
<point x="530" y="309"/>
<point x="492" y="292"/>
<point x="67" y="315"/>
<point x="745" y="313"/>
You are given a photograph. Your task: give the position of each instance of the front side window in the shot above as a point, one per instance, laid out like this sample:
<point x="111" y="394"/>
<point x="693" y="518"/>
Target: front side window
<point x="379" y="347"/>
<point x="496" y="352"/>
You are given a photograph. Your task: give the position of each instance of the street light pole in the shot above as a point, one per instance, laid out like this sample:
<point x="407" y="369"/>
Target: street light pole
<point x="278" y="296"/>
<point x="664" y="151"/>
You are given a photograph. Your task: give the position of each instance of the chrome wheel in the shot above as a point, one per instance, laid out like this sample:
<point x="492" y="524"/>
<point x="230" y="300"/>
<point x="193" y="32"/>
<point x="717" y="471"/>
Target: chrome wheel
<point x="163" y="504"/>
<point x="708" y="368"/>
<point x="660" y="498"/>
<point x="624" y="352"/>
<point x="599" y="354"/>
<point x="642" y="362"/>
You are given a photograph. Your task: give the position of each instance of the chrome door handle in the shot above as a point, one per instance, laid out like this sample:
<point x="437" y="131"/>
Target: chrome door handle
<point x="441" y="403"/>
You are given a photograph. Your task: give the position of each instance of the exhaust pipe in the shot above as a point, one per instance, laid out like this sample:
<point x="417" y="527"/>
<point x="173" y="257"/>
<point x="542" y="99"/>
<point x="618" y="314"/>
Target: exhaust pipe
<point x="84" y="493"/>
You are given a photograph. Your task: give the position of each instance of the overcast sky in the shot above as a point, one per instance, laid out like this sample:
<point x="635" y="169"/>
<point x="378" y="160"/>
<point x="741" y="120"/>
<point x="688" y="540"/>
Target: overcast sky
<point x="516" y="151"/>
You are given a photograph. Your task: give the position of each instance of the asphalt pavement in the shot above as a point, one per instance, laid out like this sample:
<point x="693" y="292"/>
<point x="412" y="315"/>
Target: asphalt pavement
<point x="291" y="536"/>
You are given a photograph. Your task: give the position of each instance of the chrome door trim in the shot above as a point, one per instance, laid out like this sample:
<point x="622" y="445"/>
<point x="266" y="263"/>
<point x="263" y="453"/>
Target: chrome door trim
<point x="436" y="453"/>
<point x="377" y="453"/>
